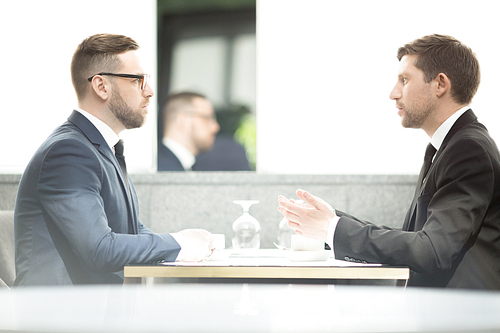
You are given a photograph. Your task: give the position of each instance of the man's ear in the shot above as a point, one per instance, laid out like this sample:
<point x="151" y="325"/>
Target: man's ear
<point x="443" y="84"/>
<point x="101" y="86"/>
<point x="183" y="119"/>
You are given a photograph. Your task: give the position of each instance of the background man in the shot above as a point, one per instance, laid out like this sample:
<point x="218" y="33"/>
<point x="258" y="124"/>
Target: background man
<point x="189" y="129"/>
<point x="76" y="214"/>
<point x="451" y="234"/>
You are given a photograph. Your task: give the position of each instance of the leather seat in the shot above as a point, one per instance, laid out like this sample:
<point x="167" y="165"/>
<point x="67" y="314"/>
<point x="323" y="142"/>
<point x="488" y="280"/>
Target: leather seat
<point x="7" y="251"/>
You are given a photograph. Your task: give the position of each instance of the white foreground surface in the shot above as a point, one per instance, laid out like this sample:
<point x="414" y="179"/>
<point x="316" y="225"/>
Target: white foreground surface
<point x="247" y="308"/>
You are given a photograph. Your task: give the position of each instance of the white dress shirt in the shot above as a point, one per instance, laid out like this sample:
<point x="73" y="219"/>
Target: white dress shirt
<point x="107" y="133"/>
<point x="436" y="140"/>
<point x="438" y="137"/>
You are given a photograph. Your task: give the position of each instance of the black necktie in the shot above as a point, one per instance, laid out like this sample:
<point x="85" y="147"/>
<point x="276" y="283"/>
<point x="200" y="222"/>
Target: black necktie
<point x="409" y="223"/>
<point x="429" y="154"/>
<point x="121" y="160"/>
<point x="132" y="229"/>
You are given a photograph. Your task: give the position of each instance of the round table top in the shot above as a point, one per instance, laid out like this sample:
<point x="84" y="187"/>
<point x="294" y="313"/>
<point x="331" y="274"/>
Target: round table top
<point x="247" y="308"/>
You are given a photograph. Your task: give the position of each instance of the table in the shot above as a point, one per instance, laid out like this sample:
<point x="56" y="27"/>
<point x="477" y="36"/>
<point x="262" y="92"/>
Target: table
<point x="267" y="266"/>
<point x="247" y="308"/>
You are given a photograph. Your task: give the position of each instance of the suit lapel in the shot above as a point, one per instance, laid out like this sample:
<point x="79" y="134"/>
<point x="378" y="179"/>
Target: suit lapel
<point x="95" y="137"/>
<point x="462" y="121"/>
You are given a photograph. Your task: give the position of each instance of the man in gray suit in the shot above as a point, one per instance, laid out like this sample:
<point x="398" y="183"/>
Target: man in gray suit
<point x="451" y="233"/>
<point x="76" y="215"/>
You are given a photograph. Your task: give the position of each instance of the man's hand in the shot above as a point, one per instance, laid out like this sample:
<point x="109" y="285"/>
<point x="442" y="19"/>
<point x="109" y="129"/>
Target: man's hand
<point x="196" y="244"/>
<point x="310" y="220"/>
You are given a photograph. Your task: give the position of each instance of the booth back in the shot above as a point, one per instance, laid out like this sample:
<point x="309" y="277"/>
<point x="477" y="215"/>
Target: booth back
<point x="171" y="201"/>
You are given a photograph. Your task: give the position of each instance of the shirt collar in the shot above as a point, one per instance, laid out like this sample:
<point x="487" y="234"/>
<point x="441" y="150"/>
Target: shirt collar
<point x="186" y="158"/>
<point x="438" y="137"/>
<point x="107" y="133"/>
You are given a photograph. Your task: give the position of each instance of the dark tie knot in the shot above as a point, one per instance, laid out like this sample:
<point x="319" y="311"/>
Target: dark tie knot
<point x="119" y="148"/>
<point x="430" y="151"/>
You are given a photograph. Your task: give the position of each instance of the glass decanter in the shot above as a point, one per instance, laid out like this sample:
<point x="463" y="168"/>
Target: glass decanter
<point x="246" y="229"/>
<point x="285" y="232"/>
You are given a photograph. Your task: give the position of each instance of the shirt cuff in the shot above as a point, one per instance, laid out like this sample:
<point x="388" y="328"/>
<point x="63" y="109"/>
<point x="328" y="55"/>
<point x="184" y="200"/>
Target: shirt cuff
<point x="331" y="233"/>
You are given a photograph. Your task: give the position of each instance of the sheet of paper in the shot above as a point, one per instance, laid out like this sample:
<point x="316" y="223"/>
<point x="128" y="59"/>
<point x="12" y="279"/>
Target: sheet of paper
<point x="268" y="257"/>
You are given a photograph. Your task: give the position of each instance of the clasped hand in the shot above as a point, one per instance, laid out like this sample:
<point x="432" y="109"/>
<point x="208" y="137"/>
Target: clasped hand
<point x="196" y="244"/>
<point x="311" y="219"/>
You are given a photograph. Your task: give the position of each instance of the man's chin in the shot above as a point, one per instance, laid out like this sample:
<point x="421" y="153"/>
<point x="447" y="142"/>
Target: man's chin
<point x="407" y="124"/>
<point x="137" y="123"/>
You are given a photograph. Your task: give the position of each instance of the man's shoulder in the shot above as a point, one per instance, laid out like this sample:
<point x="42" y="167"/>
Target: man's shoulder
<point x="476" y="133"/>
<point x="167" y="160"/>
<point x="66" y="133"/>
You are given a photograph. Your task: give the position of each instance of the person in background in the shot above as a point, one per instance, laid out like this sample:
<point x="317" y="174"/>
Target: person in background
<point x="76" y="214"/>
<point x="451" y="234"/>
<point x="189" y="129"/>
<point x="227" y="154"/>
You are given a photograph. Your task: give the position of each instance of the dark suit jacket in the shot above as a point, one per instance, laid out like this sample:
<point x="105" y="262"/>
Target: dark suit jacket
<point x="74" y="221"/>
<point x="451" y="234"/>
<point x="226" y="155"/>
<point x="167" y="160"/>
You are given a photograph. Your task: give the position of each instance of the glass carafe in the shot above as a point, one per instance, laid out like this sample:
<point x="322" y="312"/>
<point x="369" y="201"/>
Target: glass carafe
<point x="246" y="229"/>
<point x="285" y="232"/>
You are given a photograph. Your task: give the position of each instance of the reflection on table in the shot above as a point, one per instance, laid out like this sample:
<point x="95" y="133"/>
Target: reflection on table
<point x="247" y="308"/>
<point x="268" y="266"/>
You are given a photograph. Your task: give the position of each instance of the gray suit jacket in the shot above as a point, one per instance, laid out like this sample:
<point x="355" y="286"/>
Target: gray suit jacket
<point x="451" y="234"/>
<point x="74" y="221"/>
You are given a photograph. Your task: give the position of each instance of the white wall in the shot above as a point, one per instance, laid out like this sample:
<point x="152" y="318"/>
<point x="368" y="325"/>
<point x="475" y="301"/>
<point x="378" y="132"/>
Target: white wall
<point x="36" y="94"/>
<point x="325" y="71"/>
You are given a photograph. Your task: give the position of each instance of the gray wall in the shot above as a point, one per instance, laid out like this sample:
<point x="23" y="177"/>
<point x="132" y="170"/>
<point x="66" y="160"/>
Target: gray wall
<point x="170" y="202"/>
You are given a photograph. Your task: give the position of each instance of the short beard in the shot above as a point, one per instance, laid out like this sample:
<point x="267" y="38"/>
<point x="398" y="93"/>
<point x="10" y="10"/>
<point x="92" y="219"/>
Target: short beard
<point x="412" y="120"/>
<point x="416" y="117"/>
<point x="123" y="112"/>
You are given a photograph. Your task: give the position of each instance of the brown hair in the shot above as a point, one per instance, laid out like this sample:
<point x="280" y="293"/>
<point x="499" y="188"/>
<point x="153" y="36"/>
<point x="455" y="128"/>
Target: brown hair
<point x="445" y="54"/>
<point x="96" y="54"/>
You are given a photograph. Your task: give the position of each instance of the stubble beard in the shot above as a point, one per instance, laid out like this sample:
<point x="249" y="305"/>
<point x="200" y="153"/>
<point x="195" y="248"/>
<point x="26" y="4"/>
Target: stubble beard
<point x="415" y="116"/>
<point x="419" y="107"/>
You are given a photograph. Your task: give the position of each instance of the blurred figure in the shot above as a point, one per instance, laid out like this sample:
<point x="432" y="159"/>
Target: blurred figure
<point x="189" y="128"/>
<point x="227" y="154"/>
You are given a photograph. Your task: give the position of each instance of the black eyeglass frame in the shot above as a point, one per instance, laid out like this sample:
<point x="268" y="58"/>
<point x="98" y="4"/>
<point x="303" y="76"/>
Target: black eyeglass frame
<point x="144" y="77"/>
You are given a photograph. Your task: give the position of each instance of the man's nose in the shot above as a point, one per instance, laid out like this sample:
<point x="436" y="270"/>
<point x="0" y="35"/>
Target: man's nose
<point x="395" y="93"/>
<point x="148" y="91"/>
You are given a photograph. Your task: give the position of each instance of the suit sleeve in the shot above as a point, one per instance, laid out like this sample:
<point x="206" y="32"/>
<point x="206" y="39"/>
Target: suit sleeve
<point x="453" y="206"/>
<point x="69" y="187"/>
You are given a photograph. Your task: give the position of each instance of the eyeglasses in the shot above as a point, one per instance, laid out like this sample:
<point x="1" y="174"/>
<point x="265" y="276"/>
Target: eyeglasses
<point x="212" y="117"/>
<point x="144" y="77"/>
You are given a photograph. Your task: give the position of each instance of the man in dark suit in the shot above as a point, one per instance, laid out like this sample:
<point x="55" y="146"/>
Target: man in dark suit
<point x="76" y="214"/>
<point x="451" y="234"/>
<point x="227" y="154"/>
<point x="189" y="129"/>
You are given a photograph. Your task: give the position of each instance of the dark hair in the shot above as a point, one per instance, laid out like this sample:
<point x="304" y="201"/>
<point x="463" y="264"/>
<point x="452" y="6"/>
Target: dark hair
<point x="96" y="54"/>
<point x="444" y="54"/>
